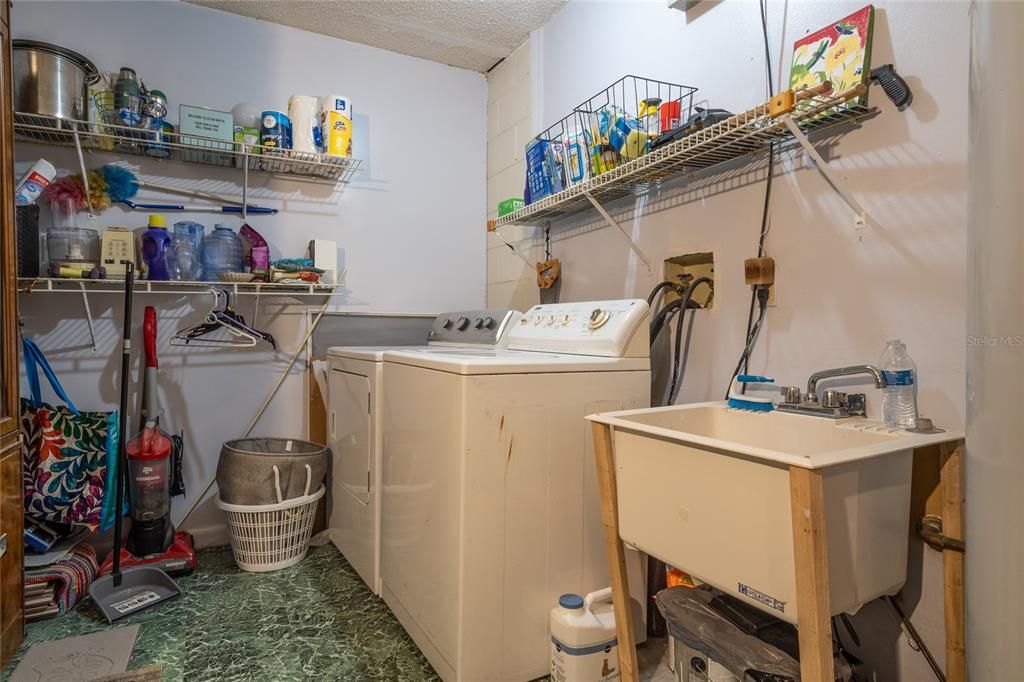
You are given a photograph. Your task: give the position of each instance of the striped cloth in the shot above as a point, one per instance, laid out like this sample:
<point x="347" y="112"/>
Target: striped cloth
<point x="73" y="574"/>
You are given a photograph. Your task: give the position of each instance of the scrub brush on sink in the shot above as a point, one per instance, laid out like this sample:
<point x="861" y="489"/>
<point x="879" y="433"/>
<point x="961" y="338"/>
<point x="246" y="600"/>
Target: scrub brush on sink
<point x="743" y="401"/>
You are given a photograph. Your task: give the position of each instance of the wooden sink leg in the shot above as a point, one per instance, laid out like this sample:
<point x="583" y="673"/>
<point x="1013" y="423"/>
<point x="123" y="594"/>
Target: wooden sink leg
<point x="951" y="478"/>
<point x="628" y="666"/>
<point x="810" y="554"/>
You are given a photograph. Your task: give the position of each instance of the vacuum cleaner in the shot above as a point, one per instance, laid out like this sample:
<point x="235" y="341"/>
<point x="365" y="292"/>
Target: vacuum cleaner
<point x="154" y="473"/>
<point x="135" y="588"/>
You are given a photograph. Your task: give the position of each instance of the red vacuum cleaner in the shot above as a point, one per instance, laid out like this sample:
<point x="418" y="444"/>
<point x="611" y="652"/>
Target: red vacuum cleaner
<point x="153" y="466"/>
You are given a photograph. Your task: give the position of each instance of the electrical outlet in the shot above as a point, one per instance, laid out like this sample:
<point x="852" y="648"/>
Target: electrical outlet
<point x="688" y="267"/>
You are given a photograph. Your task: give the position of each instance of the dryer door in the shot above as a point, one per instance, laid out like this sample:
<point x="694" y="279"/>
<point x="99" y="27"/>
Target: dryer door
<point x="349" y="428"/>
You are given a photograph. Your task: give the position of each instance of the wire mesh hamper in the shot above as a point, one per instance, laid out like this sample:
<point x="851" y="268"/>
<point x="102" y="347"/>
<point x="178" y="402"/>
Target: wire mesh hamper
<point x="268" y="537"/>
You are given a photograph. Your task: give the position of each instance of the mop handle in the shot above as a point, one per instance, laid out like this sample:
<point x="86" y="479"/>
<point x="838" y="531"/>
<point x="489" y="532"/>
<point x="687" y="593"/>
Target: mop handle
<point x="122" y="436"/>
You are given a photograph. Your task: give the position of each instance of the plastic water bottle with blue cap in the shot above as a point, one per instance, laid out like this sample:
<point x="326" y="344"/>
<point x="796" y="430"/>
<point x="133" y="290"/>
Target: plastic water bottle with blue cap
<point x="899" y="397"/>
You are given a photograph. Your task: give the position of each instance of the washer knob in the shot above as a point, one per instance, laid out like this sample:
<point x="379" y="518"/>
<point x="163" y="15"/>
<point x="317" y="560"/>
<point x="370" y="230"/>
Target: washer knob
<point x="598" y="316"/>
<point x="447" y="323"/>
<point x="537" y="319"/>
<point x="489" y="323"/>
<point x="551" y="320"/>
<point x="478" y="323"/>
<point x="566" y="319"/>
<point x="462" y="323"/>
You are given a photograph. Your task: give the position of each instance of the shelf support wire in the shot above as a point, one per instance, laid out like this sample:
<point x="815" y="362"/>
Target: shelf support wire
<point x="611" y="221"/>
<point x="245" y="182"/>
<point x="88" y="315"/>
<point x="531" y="265"/>
<point x="826" y="170"/>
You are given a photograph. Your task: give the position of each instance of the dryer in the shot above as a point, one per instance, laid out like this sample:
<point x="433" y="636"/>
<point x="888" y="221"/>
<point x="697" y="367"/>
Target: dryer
<point x="490" y="506"/>
<point x="354" y="429"/>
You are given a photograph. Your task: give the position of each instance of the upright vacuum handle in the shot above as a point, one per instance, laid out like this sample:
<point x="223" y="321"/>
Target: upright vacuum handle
<point x="122" y="459"/>
<point x="149" y="335"/>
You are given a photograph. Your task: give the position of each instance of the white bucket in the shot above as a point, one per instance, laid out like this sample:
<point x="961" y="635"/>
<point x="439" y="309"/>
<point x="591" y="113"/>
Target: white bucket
<point x="583" y="643"/>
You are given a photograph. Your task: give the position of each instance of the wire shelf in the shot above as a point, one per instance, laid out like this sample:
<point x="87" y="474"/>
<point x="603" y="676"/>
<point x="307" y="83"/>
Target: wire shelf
<point x="740" y="136"/>
<point x="117" y="139"/>
<point x="39" y="285"/>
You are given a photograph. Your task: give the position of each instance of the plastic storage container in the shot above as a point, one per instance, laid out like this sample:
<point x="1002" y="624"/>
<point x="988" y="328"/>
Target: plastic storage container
<point x="583" y="642"/>
<point x="222" y="252"/>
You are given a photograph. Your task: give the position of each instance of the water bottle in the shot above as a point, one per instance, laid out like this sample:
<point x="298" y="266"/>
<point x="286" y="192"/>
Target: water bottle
<point x="899" y="397"/>
<point x="222" y="252"/>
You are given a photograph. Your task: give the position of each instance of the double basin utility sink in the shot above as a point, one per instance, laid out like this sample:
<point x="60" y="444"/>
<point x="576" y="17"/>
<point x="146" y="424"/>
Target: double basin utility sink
<point x="706" y="488"/>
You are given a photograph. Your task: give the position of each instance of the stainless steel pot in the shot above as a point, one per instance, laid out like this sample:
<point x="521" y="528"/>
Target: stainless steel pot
<point x="51" y="80"/>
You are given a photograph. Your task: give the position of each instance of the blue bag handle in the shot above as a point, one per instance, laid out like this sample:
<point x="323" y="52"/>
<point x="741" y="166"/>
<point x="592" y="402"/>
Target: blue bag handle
<point x="34" y="359"/>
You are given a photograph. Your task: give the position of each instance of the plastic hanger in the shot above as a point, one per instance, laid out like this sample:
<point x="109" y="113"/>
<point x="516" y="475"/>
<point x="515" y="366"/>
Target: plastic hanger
<point x="217" y="319"/>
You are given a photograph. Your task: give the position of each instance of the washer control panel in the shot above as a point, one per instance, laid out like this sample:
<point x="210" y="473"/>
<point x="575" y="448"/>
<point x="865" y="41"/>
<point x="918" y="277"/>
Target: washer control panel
<point x="602" y="328"/>
<point x="477" y="327"/>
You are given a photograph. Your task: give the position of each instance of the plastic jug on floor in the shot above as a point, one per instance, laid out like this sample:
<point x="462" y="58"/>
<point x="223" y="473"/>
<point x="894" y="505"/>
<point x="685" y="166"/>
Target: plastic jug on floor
<point x="583" y="643"/>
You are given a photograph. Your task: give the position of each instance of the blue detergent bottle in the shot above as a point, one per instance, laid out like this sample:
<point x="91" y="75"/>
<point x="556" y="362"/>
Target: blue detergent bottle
<point x="157" y="249"/>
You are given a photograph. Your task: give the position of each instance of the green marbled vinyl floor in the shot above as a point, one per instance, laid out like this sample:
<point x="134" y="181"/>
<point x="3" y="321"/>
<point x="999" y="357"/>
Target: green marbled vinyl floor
<point x="314" y="621"/>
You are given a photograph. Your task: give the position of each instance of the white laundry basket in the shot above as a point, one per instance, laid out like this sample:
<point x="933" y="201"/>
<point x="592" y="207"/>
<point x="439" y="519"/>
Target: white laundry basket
<point x="268" y="537"/>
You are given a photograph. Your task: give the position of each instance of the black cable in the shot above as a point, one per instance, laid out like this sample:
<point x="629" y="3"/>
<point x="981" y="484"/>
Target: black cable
<point x="676" y="356"/>
<point x="744" y="363"/>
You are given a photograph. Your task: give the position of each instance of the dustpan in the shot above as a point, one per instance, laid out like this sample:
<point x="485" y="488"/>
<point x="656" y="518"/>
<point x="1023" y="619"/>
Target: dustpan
<point x="123" y="593"/>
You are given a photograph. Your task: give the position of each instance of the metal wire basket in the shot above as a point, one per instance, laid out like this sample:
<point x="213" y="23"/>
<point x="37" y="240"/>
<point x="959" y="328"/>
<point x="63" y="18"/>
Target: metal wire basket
<point x="615" y="126"/>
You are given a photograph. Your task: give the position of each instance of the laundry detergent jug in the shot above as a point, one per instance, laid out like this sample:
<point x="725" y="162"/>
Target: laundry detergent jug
<point x="583" y="643"/>
<point x="157" y="249"/>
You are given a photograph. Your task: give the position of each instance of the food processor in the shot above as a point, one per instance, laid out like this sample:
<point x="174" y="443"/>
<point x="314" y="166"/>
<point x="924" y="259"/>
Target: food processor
<point x="72" y="251"/>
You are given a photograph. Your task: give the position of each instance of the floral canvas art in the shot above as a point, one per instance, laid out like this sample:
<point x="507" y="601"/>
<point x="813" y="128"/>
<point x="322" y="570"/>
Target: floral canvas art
<point x="840" y="52"/>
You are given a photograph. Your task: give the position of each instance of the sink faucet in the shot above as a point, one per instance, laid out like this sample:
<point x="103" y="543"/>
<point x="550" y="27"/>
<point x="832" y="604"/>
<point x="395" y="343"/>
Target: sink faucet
<point x="812" y="382"/>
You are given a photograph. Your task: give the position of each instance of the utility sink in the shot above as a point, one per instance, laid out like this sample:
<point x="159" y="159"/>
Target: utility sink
<point x="706" y="488"/>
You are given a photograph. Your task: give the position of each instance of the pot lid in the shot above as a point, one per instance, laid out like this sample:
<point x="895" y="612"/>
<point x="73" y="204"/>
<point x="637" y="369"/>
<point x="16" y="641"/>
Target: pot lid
<point x="83" y="62"/>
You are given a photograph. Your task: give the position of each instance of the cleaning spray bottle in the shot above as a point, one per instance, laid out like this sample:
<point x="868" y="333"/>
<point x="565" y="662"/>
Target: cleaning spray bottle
<point x="157" y="249"/>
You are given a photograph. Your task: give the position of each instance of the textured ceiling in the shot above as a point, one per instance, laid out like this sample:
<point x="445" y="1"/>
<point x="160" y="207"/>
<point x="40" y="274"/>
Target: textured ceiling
<point x="472" y="34"/>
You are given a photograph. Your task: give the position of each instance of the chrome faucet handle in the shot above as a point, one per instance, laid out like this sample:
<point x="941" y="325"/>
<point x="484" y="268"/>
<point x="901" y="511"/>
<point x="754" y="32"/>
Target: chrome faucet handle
<point x="833" y="398"/>
<point x="790" y="394"/>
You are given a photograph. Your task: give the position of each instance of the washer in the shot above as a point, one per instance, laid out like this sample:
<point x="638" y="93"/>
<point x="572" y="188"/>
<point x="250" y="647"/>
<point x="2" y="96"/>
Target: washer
<point x="490" y="505"/>
<point x="354" y="429"/>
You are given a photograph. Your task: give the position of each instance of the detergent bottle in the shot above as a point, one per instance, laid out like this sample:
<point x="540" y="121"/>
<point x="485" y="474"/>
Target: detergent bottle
<point x="156" y="249"/>
<point x="583" y="643"/>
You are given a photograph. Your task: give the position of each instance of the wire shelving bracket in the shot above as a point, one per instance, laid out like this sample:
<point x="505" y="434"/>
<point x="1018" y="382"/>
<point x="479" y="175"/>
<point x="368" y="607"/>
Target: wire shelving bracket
<point x="84" y="287"/>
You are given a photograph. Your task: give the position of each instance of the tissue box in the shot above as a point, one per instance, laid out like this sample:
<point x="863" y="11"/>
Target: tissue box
<point x="324" y="254"/>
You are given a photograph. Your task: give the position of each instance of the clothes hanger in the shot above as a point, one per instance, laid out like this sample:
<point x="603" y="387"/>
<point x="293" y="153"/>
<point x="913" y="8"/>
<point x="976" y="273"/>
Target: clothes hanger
<point x="195" y="335"/>
<point x="228" y="317"/>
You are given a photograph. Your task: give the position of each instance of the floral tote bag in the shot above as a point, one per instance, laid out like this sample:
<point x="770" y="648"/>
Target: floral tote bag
<point x="69" y="456"/>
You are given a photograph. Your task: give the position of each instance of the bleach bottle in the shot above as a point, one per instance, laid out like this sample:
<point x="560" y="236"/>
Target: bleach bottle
<point x="583" y="643"/>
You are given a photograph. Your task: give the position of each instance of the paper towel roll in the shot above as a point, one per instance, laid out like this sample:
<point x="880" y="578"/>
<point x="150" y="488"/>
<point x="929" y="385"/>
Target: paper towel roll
<point x="304" y="111"/>
<point x="336" y="125"/>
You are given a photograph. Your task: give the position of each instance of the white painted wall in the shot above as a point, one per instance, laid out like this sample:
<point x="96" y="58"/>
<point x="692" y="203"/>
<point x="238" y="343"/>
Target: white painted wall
<point x="995" y="349"/>
<point x="409" y="228"/>
<point x="839" y="299"/>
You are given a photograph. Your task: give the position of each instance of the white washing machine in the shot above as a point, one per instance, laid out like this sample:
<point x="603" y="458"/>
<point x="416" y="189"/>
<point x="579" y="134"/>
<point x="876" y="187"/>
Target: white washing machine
<point x="490" y="505"/>
<point x="354" y="419"/>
